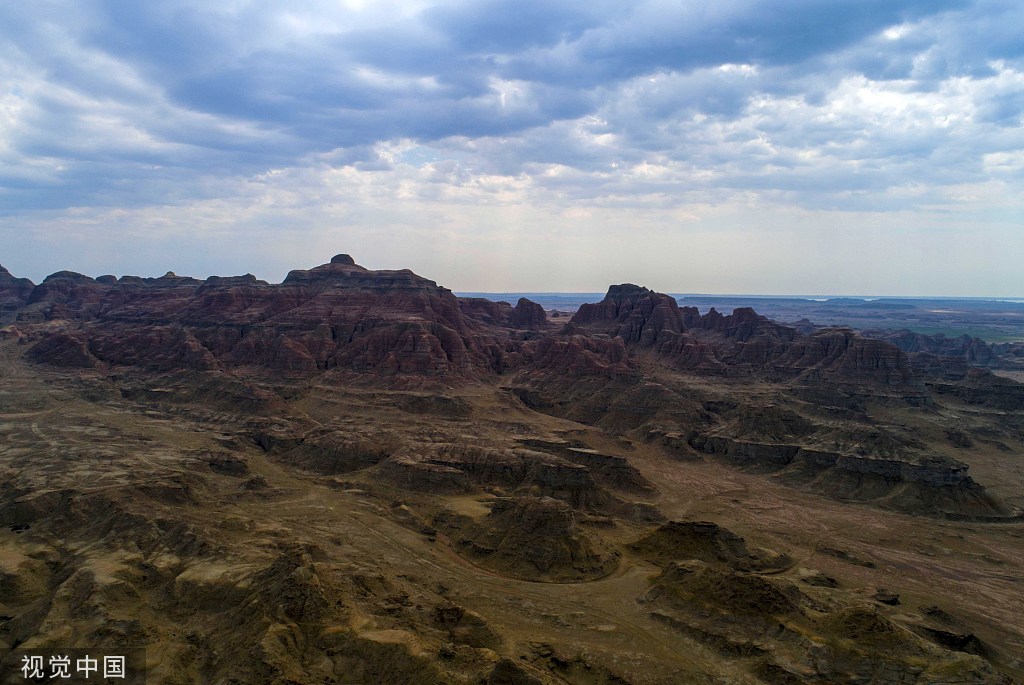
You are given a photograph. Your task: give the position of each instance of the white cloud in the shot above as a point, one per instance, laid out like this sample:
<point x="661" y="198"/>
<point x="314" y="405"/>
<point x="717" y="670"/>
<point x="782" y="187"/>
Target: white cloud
<point x="404" y="126"/>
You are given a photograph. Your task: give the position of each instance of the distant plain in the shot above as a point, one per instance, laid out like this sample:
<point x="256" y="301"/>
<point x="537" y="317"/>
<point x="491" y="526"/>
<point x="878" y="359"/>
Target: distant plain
<point x="993" y="320"/>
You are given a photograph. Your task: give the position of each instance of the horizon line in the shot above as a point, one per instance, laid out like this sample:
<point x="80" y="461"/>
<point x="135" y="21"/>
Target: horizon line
<point x="987" y="298"/>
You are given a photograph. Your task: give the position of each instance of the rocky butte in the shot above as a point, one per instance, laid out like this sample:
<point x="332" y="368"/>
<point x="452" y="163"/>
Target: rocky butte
<point x="356" y="476"/>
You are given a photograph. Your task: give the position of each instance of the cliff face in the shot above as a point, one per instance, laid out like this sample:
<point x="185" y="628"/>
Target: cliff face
<point x="633" y="313"/>
<point x="906" y="480"/>
<point x="615" y="364"/>
<point x="971" y="350"/>
<point x="528" y="314"/>
<point x="335" y="315"/>
<point x="343" y="316"/>
<point x="14" y="292"/>
<point x="742" y="342"/>
<point x="847" y="356"/>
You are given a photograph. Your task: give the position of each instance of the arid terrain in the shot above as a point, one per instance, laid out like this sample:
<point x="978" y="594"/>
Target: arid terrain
<point x="355" y="476"/>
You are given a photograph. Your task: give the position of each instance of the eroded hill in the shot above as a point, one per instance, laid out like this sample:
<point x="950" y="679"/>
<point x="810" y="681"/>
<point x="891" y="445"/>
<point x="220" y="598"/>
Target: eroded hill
<point x="355" y="476"/>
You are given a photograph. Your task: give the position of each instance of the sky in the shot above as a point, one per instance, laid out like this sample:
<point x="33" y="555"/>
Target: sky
<point x="740" y="146"/>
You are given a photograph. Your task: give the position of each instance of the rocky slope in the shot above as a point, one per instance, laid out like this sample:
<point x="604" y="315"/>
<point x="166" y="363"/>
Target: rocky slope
<point x="599" y="368"/>
<point x="355" y="476"/>
<point x="972" y="350"/>
<point x="338" y="315"/>
<point x="533" y="538"/>
<point x="14" y="293"/>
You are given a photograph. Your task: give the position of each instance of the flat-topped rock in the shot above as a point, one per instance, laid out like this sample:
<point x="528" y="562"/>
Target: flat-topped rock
<point x="343" y="272"/>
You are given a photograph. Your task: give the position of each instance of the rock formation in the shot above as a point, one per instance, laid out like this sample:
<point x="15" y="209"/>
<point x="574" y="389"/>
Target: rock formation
<point x="528" y="314"/>
<point x="707" y="542"/>
<point x="768" y="622"/>
<point x="335" y="315"/>
<point x="14" y="292"/>
<point x="847" y="357"/>
<point x="532" y="538"/>
<point x="633" y="313"/>
<point x="601" y="368"/>
<point x="972" y="350"/>
<point x="523" y="471"/>
<point x="356" y="476"/>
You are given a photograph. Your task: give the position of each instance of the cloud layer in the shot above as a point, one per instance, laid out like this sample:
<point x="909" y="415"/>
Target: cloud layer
<point x="211" y="136"/>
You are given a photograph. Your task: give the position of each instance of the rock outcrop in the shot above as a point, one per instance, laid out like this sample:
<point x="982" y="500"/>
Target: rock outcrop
<point x="905" y="480"/>
<point x="523" y="471"/>
<point x="63" y="350"/>
<point x="528" y="314"/>
<point x="65" y="295"/>
<point x="343" y="316"/>
<point x="972" y="350"/>
<point x="14" y="292"/>
<point x="338" y="315"/>
<point x="425" y="476"/>
<point x="633" y="313"/>
<point x="533" y="538"/>
<point x="743" y="342"/>
<point x="614" y="365"/>
<point x="487" y="311"/>
<point x="610" y="469"/>
<point x="579" y="355"/>
<point x="707" y="542"/>
<point x="330" y="452"/>
<point x="769" y="621"/>
<point x="981" y="387"/>
<point x="846" y="356"/>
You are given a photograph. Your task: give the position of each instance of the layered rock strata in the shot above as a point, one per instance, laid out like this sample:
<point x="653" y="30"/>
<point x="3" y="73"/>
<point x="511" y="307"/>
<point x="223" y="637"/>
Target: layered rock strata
<point x="616" y="365"/>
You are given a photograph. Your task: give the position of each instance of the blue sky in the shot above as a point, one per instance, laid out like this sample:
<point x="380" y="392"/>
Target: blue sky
<point x="841" y="146"/>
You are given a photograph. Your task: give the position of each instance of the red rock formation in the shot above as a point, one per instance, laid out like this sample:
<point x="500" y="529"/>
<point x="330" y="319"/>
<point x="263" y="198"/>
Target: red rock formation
<point x="844" y="354"/>
<point x="746" y="339"/>
<point x="615" y="365"/>
<point x="63" y="350"/>
<point x="689" y="353"/>
<point x="579" y="355"/>
<point x="633" y="313"/>
<point x="525" y="315"/>
<point x="528" y="314"/>
<point x="343" y="316"/>
<point x="743" y="324"/>
<point x="972" y="350"/>
<point x="65" y="295"/>
<point x="343" y="272"/>
<point x="481" y="309"/>
<point x="162" y="348"/>
<point x="335" y="315"/>
<point x="743" y="340"/>
<point x="14" y="292"/>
